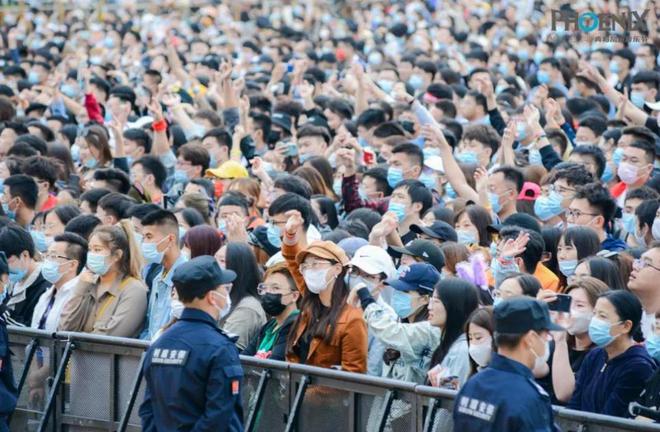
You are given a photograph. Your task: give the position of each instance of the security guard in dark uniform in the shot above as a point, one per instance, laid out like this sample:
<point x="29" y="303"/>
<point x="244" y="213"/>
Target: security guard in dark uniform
<point x="504" y="396"/>
<point x="193" y="373"/>
<point x="8" y="390"/>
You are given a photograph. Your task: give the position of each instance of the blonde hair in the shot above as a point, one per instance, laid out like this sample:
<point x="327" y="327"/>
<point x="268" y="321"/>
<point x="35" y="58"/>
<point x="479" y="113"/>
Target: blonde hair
<point x="120" y="237"/>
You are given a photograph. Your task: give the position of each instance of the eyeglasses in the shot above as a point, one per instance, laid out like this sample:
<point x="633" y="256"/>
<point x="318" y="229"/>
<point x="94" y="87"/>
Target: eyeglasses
<point x="578" y="213"/>
<point x="263" y="289"/>
<point x="52" y="256"/>
<point x="640" y="264"/>
<point x="560" y="189"/>
<point x="314" y="265"/>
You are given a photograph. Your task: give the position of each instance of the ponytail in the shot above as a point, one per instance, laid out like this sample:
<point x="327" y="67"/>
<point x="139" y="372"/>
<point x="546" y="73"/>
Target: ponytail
<point x="135" y="262"/>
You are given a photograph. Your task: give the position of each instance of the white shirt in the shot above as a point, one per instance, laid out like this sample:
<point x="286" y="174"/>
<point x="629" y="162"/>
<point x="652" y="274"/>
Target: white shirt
<point x="53" y="318"/>
<point x="648" y="324"/>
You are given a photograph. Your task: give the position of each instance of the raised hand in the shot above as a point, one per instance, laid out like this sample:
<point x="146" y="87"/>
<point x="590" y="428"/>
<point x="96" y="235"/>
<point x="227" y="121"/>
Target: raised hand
<point x="294" y="223"/>
<point x="511" y="248"/>
<point x="509" y="134"/>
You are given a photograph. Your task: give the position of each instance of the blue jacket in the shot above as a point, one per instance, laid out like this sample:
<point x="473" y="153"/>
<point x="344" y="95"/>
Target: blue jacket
<point x="607" y="387"/>
<point x="193" y="378"/>
<point x="503" y="397"/>
<point x="613" y="244"/>
<point x="8" y="391"/>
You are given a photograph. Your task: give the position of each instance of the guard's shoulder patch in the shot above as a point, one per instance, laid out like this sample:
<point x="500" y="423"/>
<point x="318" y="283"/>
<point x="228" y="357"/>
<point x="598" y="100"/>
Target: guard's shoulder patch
<point x="173" y="357"/>
<point x="477" y="408"/>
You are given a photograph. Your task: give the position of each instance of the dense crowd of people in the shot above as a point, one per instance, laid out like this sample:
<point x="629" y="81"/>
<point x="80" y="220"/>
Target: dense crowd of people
<point x="390" y="184"/>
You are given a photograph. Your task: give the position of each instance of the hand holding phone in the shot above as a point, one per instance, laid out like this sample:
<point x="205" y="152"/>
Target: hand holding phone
<point x="561" y="304"/>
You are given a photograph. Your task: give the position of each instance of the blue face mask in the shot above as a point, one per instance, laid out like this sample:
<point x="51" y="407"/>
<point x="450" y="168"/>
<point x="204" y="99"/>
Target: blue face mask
<point x="385" y="85"/>
<point x="33" y="77"/>
<point x="213" y="163"/>
<point x="492" y="249"/>
<point x="40" y="241"/>
<point x="615" y="67"/>
<point x="182" y="232"/>
<point x="75" y="153"/>
<point x="653" y="346"/>
<point x="494" y="200"/>
<point x="617" y="156"/>
<point x="363" y="194"/>
<point x="637" y="98"/>
<point x="151" y="253"/>
<point x="336" y="186"/>
<point x="535" y="157"/>
<point x="50" y="270"/>
<point x="467" y="157"/>
<point x="402" y="304"/>
<point x="398" y="209"/>
<point x="416" y="81"/>
<point x="428" y="180"/>
<point x="91" y="163"/>
<point x="466" y="237"/>
<point x="599" y="332"/>
<point x="394" y="176"/>
<point x="304" y="157"/>
<point x="628" y="222"/>
<point x="546" y="207"/>
<point x="97" y="263"/>
<point x="11" y="214"/>
<point x="430" y="151"/>
<point x="363" y="142"/>
<point x="449" y="191"/>
<point x="16" y="274"/>
<point x="608" y="174"/>
<point x="222" y="226"/>
<point x="69" y="91"/>
<point x="180" y="176"/>
<point x="521" y="131"/>
<point x="502" y="68"/>
<point x="273" y="233"/>
<point x="523" y="55"/>
<point x="497" y="300"/>
<point x="567" y="268"/>
<point x="538" y="57"/>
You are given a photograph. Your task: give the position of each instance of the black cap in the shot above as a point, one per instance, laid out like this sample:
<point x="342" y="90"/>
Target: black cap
<point x="123" y="92"/>
<point x="200" y="275"/>
<point x="282" y="120"/>
<point x="522" y="314"/>
<point x="259" y="237"/>
<point x="439" y="229"/>
<point x="424" y="249"/>
<point x="522" y="220"/>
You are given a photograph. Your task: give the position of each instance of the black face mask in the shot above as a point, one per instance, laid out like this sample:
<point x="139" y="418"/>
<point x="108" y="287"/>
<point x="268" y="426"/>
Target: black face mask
<point x="272" y="304"/>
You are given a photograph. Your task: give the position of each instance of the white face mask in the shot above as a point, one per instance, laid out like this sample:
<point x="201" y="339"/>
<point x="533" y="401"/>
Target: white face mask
<point x="543" y="359"/>
<point x="481" y="353"/>
<point x="580" y="323"/>
<point x="224" y="311"/>
<point x="177" y="308"/>
<point x="316" y="280"/>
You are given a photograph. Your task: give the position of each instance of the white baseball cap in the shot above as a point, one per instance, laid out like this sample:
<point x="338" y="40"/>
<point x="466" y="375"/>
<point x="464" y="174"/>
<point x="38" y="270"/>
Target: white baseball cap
<point x="435" y="163"/>
<point x="374" y="260"/>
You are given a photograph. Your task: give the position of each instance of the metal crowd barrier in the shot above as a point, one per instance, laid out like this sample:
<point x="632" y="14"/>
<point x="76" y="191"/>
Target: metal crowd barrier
<point x="76" y="382"/>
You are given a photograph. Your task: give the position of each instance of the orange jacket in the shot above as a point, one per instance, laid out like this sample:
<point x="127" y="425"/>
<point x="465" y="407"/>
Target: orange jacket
<point x="348" y="347"/>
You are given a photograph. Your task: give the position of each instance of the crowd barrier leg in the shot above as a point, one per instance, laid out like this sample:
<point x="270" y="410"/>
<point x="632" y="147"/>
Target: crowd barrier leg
<point x="297" y="403"/>
<point x="430" y="417"/>
<point x="32" y="349"/>
<point x="68" y="350"/>
<point x="135" y="388"/>
<point x="385" y="413"/>
<point x="261" y="390"/>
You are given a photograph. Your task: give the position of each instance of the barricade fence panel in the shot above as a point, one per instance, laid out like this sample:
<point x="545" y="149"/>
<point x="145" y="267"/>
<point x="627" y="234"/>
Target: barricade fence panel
<point x="100" y="375"/>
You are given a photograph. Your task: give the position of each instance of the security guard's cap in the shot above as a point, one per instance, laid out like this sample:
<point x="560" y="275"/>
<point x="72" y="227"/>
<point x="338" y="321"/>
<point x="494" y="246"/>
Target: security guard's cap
<point x="520" y="315"/>
<point x="200" y="275"/>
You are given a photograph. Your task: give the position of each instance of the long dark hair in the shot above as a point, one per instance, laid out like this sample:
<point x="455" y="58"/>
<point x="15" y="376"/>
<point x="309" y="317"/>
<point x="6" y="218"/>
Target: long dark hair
<point x="482" y="317"/>
<point x="584" y="239"/>
<point x="240" y="258"/>
<point x="460" y="299"/>
<point x="321" y="321"/>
